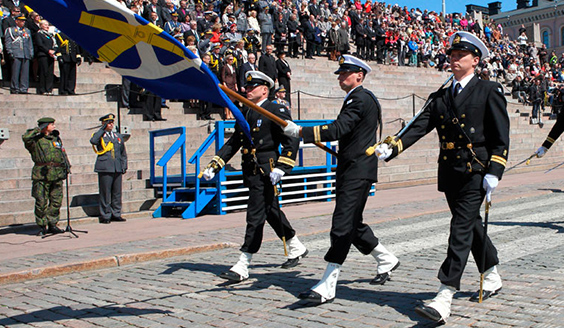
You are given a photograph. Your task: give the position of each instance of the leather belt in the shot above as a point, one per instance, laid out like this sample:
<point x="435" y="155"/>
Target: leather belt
<point x="50" y="164"/>
<point x="246" y="151"/>
<point x="459" y="145"/>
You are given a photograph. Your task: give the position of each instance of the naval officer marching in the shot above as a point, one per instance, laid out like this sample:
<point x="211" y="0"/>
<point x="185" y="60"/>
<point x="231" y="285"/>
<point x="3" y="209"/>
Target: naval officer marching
<point x="471" y="119"/>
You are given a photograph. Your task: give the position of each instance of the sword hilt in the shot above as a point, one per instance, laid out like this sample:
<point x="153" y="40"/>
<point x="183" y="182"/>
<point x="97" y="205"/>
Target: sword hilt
<point x="392" y="141"/>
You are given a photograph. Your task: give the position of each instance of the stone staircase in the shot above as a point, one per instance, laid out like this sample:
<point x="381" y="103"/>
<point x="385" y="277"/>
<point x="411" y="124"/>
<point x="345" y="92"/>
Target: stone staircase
<point x="401" y="91"/>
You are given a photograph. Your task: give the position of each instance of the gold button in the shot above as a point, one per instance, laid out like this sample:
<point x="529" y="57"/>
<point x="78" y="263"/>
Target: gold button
<point x="443" y="137"/>
<point x="462" y="125"/>
<point x="463" y="115"/>
<point x="442" y="116"/>
<point x="442" y="126"/>
<point x="444" y="158"/>
<point x="460" y="136"/>
<point x="458" y="157"/>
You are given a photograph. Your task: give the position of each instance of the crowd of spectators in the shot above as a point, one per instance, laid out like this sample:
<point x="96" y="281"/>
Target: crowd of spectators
<point x="233" y="33"/>
<point x="29" y="48"/>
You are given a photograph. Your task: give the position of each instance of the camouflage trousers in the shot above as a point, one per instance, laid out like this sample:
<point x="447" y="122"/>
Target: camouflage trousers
<point x="48" y="200"/>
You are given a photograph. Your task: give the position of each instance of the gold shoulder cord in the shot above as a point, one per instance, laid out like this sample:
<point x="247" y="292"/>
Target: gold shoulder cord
<point x="105" y="148"/>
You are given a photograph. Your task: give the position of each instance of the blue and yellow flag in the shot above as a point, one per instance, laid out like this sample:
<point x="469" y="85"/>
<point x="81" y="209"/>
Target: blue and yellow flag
<point x="138" y="50"/>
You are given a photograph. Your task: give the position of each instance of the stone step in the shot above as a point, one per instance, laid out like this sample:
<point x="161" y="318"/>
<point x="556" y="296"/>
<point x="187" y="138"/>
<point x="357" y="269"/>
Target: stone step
<point x="129" y="208"/>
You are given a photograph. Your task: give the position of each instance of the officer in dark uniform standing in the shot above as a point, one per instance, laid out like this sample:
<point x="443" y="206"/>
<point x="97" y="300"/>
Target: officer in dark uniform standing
<point x="355" y="129"/>
<point x="473" y="127"/>
<point x="263" y="167"/>
<point x="51" y="167"/>
<point x="68" y="55"/>
<point x="280" y="97"/>
<point x="111" y="164"/>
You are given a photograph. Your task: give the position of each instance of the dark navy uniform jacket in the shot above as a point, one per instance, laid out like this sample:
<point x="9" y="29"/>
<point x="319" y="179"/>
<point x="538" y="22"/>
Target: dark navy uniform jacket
<point x="267" y="136"/>
<point x="355" y="128"/>
<point x="480" y="109"/>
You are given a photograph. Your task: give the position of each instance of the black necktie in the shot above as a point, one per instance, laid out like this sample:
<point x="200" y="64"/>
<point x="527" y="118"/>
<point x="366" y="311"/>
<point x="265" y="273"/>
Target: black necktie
<point x="456" y="91"/>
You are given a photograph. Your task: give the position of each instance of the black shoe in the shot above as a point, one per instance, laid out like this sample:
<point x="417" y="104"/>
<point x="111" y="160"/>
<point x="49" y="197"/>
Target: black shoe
<point x="54" y="229"/>
<point x="160" y="119"/>
<point x="485" y="295"/>
<point x="104" y="221"/>
<point x="381" y="278"/>
<point x="232" y="276"/>
<point x="429" y="313"/>
<point x="13" y="92"/>
<point x="314" y="297"/>
<point x="290" y="263"/>
<point x="165" y="106"/>
<point x="42" y="231"/>
<point x="120" y="219"/>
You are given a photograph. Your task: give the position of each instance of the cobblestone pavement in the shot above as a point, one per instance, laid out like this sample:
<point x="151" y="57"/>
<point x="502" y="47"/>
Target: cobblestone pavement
<point x="185" y="291"/>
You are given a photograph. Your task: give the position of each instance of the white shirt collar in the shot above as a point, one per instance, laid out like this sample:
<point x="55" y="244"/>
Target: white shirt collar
<point x="348" y="94"/>
<point x="464" y="81"/>
<point x="262" y="102"/>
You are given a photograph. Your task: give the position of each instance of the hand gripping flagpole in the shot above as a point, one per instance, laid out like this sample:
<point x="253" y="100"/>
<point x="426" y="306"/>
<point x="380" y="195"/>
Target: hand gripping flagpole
<point x="488" y="205"/>
<point x="268" y="114"/>
<point x="392" y="140"/>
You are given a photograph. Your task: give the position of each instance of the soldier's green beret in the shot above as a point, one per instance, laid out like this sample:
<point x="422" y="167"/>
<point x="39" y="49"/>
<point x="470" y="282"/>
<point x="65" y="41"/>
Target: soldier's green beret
<point x="109" y="117"/>
<point x="45" y="120"/>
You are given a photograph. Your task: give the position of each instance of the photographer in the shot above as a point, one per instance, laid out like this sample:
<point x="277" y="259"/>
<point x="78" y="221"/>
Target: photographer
<point x="51" y="167"/>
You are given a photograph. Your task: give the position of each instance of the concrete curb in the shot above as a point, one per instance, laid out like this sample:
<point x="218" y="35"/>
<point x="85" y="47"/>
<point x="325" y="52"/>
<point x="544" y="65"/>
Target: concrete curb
<point x="105" y="262"/>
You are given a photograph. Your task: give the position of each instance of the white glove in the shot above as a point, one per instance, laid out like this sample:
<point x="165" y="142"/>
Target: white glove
<point x="383" y="151"/>
<point x="209" y="173"/>
<point x="276" y="175"/>
<point x="541" y="151"/>
<point x="292" y="129"/>
<point x="490" y="183"/>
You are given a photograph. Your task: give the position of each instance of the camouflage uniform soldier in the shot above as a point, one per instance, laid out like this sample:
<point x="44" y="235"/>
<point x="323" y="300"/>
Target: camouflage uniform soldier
<point x="50" y="169"/>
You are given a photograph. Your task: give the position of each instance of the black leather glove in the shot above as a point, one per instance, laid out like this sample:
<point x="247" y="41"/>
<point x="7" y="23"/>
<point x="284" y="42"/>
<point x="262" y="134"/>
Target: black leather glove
<point x="55" y="133"/>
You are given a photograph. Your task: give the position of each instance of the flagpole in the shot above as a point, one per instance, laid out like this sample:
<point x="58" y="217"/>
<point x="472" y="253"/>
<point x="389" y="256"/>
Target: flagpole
<point x="268" y="114"/>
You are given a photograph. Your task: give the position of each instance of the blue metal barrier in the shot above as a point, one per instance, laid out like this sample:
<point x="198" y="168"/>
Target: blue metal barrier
<point x="179" y="144"/>
<point x="203" y="195"/>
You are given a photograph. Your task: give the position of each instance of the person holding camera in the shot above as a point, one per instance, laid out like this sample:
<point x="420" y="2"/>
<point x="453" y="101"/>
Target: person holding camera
<point x="51" y="167"/>
<point x="111" y="164"/>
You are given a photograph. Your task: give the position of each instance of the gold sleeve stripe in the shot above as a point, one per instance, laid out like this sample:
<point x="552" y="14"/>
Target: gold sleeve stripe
<point x="549" y="139"/>
<point x="287" y="161"/>
<point x="219" y="160"/>
<point x="400" y="146"/>
<point x="316" y="134"/>
<point x="499" y="160"/>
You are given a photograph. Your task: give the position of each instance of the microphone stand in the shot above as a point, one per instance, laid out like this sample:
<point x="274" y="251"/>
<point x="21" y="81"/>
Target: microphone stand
<point x="69" y="228"/>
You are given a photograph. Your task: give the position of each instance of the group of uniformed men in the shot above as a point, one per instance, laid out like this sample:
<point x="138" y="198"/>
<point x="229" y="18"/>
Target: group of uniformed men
<point x="469" y="115"/>
<point x="27" y="39"/>
<point x="471" y="119"/>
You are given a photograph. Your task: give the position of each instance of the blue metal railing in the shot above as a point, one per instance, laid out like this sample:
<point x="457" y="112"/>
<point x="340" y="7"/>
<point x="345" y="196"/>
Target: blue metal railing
<point x="179" y="144"/>
<point x="216" y="137"/>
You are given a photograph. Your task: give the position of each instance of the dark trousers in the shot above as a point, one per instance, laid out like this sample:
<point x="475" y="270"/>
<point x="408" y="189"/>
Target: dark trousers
<point x="263" y="206"/>
<point x="347" y="227"/>
<point x="310" y="44"/>
<point x="466" y="232"/>
<point x="109" y="185"/>
<point x="46" y="74"/>
<point x="536" y="108"/>
<point x="68" y="78"/>
<point x="20" y="75"/>
<point x="293" y="47"/>
<point x="266" y="41"/>
<point x="153" y="105"/>
<point x="125" y="90"/>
